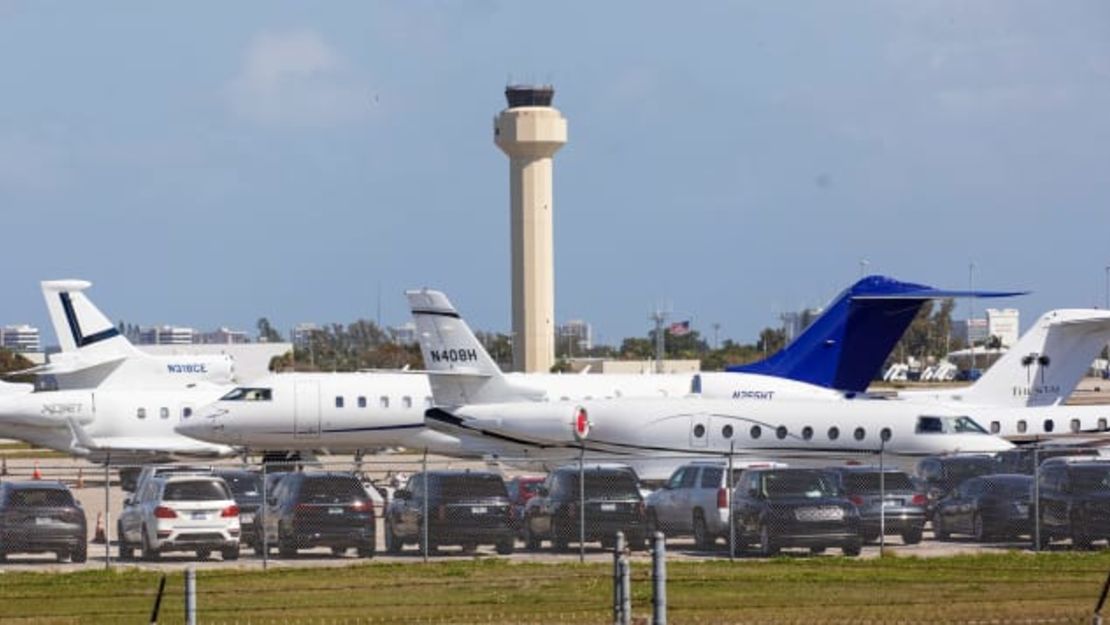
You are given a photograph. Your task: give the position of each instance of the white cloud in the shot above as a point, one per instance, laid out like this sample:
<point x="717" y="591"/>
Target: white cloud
<point x="296" y="79"/>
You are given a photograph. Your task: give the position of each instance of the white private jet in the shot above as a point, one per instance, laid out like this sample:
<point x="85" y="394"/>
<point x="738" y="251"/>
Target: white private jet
<point x="492" y="414"/>
<point x="118" y="404"/>
<point x="354" y="412"/>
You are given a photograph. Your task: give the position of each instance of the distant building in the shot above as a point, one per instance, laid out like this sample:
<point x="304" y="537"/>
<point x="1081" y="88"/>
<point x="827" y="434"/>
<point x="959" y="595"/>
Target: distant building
<point x="302" y="333"/>
<point x="603" y="365"/>
<point x="794" y="323"/>
<point x="404" y="334"/>
<point x="1003" y="323"/>
<point x="20" y="338"/>
<point x="576" y="334"/>
<point x="167" y="335"/>
<point x="224" y="336"/>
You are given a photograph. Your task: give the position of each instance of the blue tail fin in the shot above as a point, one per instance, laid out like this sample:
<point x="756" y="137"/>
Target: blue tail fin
<point x="847" y="345"/>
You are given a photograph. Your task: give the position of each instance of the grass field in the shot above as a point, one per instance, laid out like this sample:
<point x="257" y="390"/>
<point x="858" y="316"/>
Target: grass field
<point x="1000" y="588"/>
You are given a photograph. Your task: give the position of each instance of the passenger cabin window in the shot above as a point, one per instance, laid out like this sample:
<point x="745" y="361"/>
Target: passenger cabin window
<point x="248" y="394"/>
<point x="756" y="431"/>
<point x="361" y="401"/>
<point x="781" y="432"/>
<point x="186" y="412"/>
<point x="1021" y="426"/>
<point x="1075" y="427"/>
<point x="1102" y="424"/>
<point x="886" y="434"/>
<point x="699" y="430"/>
<point x="141" y="413"/>
<point x="338" y="401"/>
<point x="1049" y="425"/>
<point x="384" y="401"/>
<point x="996" y="427"/>
<point x="164" y="412"/>
<point x="726" y="431"/>
<point x="807" y="433"/>
<point x="930" y="425"/>
<point x="406" y="402"/>
<point x="859" y="434"/>
<point x="834" y="433"/>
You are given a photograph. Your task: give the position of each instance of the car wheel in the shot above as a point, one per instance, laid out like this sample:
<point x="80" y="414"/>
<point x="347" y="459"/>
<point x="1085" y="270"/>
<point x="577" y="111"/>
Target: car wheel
<point x="767" y="546"/>
<point x="979" y="530"/>
<point x="230" y="554"/>
<point x="80" y="553"/>
<point x="204" y="554"/>
<point x="701" y="533"/>
<point x="393" y="545"/>
<point x="559" y="539"/>
<point x="150" y="554"/>
<point x="1080" y="539"/>
<point x="366" y="549"/>
<point x="531" y="541"/>
<point x="61" y="556"/>
<point x="258" y="544"/>
<point x="428" y="546"/>
<point x="736" y="543"/>
<point x="637" y="542"/>
<point x="338" y="551"/>
<point x="911" y="536"/>
<point x="469" y="547"/>
<point x="816" y="551"/>
<point x="940" y="532"/>
<point x="125" y="550"/>
<point x="870" y="537"/>
<point x="852" y="549"/>
<point x="505" y="546"/>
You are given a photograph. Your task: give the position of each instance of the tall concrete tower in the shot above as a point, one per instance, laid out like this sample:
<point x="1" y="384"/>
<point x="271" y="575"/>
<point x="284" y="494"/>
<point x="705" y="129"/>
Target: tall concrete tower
<point x="530" y="131"/>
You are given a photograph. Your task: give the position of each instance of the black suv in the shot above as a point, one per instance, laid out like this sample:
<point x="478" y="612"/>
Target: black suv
<point x="37" y="517"/>
<point x="1021" y="460"/>
<point x="466" y="508"/>
<point x="893" y="503"/>
<point x="1075" y="501"/>
<point x="612" y="503"/>
<point x="246" y="488"/>
<point x="776" y="508"/>
<point x="318" y="509"/>
<point x="985" y="507"/>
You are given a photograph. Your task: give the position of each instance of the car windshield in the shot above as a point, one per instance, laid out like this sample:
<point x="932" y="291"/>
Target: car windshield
<point x="958" y="471"/>
<point x="469" y="486"/>
<point x="331" y="490"/>
<point x="1090" y="479"/>
<point x="196" y="490"/>
<point x="605" y="485"/>
<point x="244" y="484"/>
<point x="860" y="482"/>
<point x="1007" y="488"/>
<point x="811" y="484"/>
<point x="39" y="497"/>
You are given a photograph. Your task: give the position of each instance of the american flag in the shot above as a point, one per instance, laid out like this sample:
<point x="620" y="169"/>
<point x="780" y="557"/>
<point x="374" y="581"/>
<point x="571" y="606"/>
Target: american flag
<point x="679" y="328"/>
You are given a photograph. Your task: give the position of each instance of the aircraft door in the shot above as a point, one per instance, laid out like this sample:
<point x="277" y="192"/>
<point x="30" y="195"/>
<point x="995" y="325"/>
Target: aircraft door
<point x="699" y="430"/>
<point x="306" y="411"/>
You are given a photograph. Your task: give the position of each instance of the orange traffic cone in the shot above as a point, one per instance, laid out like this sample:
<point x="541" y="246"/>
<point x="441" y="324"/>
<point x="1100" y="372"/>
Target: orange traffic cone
<point x="99" y="538"/>
<point x="36" y="474"/>
<point x="80" y="478"/>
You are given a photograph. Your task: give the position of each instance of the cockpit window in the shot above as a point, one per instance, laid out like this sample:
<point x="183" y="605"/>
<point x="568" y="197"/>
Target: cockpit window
<point x="948" y="425"/>
<point x="248" y="394"/>
<point x="965" y="425"/>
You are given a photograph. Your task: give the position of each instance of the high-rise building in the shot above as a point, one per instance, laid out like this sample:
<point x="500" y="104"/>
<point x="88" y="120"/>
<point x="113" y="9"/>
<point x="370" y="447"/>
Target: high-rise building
<point x="530" y="131"/>
<point x="167" y="335"/>
<point x="575" y="336"/>
<point x="20" y="338"/>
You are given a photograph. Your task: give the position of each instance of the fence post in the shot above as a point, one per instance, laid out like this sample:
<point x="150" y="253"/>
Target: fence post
<point x="424" y="516"/>
<point x="582" y="503"/>
<point x="731" y="486"/>
<point x="1036" y="498"/>
<point x="108" y="513"/>
<point x="158" y="601"/>
<point x="618" y="601"/>
<point x="261" y="520"/>
<point x="1096" y="619"/>
<point x="659" y="580"/>
<point x="626" y="587"/>
<point x="191" y="595"/>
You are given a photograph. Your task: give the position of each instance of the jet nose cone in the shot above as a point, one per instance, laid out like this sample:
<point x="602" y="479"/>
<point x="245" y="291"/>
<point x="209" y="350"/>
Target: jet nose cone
<point x="206" y="428"/>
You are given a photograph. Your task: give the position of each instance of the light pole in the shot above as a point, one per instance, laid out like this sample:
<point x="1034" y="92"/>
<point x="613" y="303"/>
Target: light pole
<point x="971" y="312"/>
<point x="1107" y="305"/>
<point x="863" y="263"/>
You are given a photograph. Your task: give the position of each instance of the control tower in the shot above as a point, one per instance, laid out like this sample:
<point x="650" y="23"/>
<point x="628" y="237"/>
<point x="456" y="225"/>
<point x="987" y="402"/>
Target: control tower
<point x="530" y="131"/>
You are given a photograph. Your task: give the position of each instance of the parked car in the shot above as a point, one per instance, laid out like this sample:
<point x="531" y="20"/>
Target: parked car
<point x="777" y="508"/>
<point x="41" y="517"/>
<point x="317" y="509"/>
<point x="466" y="508"/>
<point x="148" y="471"/>
<point x="246" y="488"/>
<point x="892" y="504"/>
<point x="985" y="507"/>
<point x="1021" y="460"/>
<point x="1075" y="501"/>
<point x="522" y="489"/>
<point x="180" y="512"/>
<point x="693" y="501"/>
<point x="612" y="503"/>
<point x="939" y="475"/>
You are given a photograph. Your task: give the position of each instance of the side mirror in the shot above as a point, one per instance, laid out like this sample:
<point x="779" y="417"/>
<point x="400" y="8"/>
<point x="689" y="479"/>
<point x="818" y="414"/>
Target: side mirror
<point x="128" y="501"/>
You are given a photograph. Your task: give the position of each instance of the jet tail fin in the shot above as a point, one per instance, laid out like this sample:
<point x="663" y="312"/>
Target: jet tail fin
<point x="80" y="326"/>
<point x="461" y="371"/>
<point x="1048" y="361"/>
<point x="847" y="345"/>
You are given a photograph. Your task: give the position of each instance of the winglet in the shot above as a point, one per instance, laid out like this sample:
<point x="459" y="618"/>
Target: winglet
<point x="847" y="345"/>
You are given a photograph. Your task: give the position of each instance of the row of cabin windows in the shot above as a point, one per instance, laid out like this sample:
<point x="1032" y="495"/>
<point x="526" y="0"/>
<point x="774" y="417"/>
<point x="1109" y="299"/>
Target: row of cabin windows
<point x="164" y="412"/>
<point x="1048" y="426"/>
<point x="781" y="432"/>
<point x="383" y="401"/>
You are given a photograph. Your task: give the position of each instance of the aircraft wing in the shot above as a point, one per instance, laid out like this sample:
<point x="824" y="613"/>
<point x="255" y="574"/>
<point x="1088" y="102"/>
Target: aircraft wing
<point x="85" y="444"/>
<point x="69" y="365"/>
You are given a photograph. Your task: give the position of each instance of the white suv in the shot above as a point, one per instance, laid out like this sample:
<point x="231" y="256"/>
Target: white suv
<point x="180" y="513"/>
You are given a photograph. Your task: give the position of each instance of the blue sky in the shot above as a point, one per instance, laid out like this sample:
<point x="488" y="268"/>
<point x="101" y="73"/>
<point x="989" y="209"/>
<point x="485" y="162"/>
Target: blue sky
<point x="209" y="163"/>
